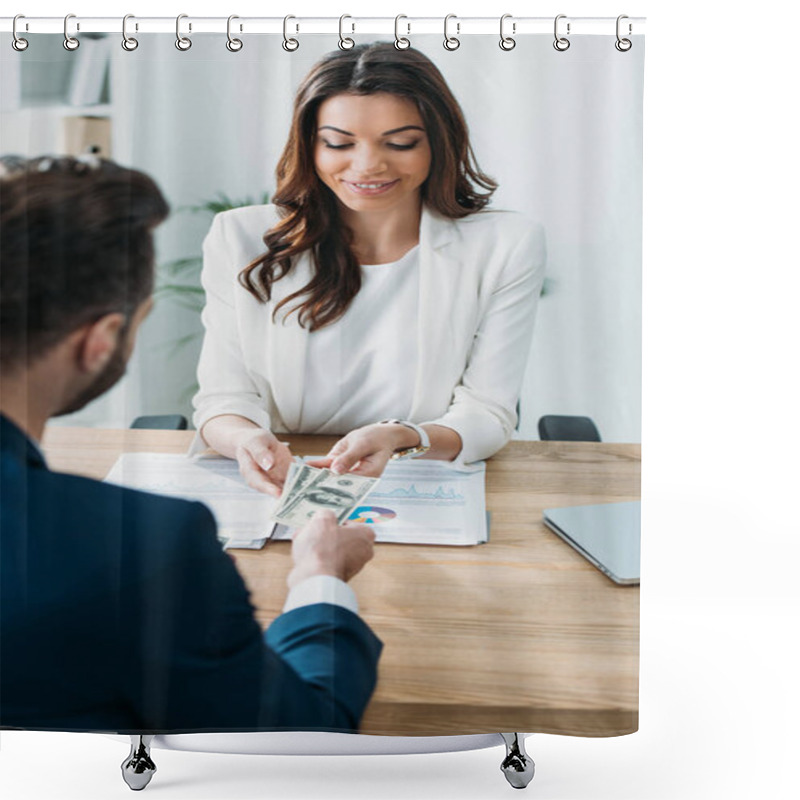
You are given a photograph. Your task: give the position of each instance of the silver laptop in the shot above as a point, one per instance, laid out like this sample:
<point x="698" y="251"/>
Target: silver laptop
<point x="607" y="535"/>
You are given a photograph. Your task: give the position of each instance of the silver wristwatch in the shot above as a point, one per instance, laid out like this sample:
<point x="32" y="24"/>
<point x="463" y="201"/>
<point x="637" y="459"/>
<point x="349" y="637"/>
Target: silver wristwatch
<point x="410" y="452"/>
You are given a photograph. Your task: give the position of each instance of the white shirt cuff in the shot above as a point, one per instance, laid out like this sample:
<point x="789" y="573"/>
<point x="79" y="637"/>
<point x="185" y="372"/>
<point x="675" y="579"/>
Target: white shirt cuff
<point x="321" y="589"/>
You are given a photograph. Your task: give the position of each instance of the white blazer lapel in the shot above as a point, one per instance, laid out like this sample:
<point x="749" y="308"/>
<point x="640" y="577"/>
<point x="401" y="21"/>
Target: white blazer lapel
<point x="287" y="346"/>
<point x="438" y="274"/>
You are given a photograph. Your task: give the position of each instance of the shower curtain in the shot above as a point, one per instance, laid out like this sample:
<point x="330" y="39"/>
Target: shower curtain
<point x="523" y="631"/>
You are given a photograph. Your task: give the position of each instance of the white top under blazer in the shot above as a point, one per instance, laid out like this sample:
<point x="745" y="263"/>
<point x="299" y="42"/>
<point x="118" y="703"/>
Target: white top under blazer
<point x="479" y="280"/>
<point x="363" y="366"/>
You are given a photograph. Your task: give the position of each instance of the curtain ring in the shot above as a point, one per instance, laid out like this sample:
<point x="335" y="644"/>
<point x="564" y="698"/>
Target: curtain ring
<point x="128" y="42"/>
<point x="507" y="42"/>
<point x="18" y="43"/>
<point x="623" y="45"/>
<point x="451" y="42"/>
<point x="561" y="43"/>
<point x="345" y="42"/>
<point x="70" y="42"/>
<point x="234" y="45"/>
<point x="289" y="44"/>
<point x="400" y="42"/>
<point x="183" y="43"/>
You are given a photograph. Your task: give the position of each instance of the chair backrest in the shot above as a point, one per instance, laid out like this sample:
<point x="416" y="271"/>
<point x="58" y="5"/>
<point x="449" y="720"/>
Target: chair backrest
<point x="553" y="427"/>
<point x="162" y="422"/>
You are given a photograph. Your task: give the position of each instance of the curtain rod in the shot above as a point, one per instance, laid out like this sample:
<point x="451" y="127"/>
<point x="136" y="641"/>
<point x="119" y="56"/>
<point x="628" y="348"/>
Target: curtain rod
<point x="462" y="26"/>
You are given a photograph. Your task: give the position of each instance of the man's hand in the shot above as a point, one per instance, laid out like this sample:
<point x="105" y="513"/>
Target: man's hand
<point x="322" y="547"/>
<point x="367" y="450"/>
<point x="263" y="460"/>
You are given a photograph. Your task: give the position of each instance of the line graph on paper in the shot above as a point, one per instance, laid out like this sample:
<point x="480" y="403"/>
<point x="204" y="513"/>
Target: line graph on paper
<point x="437" y="494"/>
<point x="171" y="474"/>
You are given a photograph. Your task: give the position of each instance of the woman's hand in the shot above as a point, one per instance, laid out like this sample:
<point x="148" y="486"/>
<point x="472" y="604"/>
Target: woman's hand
<point x="367" y="450"/>
<point x="263" y="460"/>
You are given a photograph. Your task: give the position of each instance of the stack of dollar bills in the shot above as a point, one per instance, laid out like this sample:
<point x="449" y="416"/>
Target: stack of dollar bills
<point x="308" y="489"/>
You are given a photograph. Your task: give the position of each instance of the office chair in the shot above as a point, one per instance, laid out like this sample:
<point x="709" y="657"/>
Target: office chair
<point x="553" y="427"/>
<point x="162" y="422"/>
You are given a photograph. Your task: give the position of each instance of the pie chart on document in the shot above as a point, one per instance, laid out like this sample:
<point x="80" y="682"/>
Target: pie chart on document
<point x="372" y="515"/>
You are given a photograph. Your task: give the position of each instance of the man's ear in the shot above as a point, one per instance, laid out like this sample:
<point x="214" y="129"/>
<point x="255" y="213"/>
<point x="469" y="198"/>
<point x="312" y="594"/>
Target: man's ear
<point x="99" y="341"/>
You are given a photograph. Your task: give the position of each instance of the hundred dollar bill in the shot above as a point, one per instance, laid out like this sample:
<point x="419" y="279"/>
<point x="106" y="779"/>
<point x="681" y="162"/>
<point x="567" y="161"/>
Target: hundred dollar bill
<point x="294" y="467"/>
<point x="314" y="489"/>
<point x="298" y="478"/>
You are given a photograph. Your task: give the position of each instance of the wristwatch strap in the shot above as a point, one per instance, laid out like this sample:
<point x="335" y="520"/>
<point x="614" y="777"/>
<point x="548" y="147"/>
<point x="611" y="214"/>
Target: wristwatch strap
<point x="410" y="452"/>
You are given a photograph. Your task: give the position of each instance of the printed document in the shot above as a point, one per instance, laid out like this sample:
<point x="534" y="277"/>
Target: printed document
<point x="415" y="501"/>
<point x="242" y="513"/>
<point x="424" y="502"/>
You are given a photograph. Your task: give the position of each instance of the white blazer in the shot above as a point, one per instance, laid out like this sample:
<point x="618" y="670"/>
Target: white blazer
<point x="480" y="279"/>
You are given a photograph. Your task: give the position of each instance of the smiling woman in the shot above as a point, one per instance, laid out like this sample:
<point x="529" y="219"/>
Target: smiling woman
<point x="390" y="305"/>
<point x="370" y="169"/>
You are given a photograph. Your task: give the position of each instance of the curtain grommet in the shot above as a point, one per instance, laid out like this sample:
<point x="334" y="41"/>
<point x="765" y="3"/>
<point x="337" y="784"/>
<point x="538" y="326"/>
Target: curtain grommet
<point x="289" y="44"/>
<point x="234" y="45"/>
<point x="17" y="42"/>
<point x="451" y="43"/>
<point x="507" y="43"/>
<point x="129" y="43"/>
<point x="70" y="43"/>
<point x="183" y="43"/>
<point x="346" y="42"/>
<point x="561" y="43"/>
<point x="401" y="42"/>
<point x="623" y="44"/>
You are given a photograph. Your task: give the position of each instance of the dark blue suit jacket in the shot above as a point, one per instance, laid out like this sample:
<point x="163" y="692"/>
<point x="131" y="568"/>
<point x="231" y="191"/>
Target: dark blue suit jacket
<point x="120" y="612"/>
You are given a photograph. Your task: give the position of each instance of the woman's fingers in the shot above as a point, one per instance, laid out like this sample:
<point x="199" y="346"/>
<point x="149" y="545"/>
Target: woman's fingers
<point x="320" y="463"/>
<point x="262" y="452"/>
<point x="254" y="475"/>
<point x="364" y="451"/>
<point x="362" y="458"/>
<point x="349" y="458"/>
<point x="338" y="448"/>
<point x="372" y="466"/>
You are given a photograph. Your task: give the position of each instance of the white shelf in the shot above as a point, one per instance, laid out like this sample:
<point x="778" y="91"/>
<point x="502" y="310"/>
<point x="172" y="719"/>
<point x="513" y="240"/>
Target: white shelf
<point x="64" y="110"/>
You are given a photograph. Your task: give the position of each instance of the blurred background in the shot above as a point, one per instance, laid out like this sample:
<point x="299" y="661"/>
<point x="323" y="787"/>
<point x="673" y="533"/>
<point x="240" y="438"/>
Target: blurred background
<point x="562" y="136"/>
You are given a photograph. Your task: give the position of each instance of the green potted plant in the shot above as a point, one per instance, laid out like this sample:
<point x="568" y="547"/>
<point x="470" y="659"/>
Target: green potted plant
<point x="179" y="280"/>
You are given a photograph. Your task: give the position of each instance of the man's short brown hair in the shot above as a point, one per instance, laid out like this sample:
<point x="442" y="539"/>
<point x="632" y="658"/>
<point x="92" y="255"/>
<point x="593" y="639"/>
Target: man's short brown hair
<point x="75" y="244"/>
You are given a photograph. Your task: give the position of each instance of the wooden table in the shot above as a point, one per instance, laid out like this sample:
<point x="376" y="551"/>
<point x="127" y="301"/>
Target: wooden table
<point x="520" y="634"/>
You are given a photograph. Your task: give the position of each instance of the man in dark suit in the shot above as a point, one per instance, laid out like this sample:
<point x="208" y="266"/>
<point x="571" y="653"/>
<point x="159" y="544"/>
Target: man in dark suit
<point x="120" y="611"/>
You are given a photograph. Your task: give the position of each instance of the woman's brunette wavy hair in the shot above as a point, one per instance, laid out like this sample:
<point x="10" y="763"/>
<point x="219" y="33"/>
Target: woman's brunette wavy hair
<point x="310" y="215"/>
